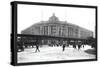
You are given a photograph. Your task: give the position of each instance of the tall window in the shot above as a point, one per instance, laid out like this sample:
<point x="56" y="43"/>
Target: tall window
<point x="53" y="30"/>
<point x="63" y="31"/>
<point x="59" y="31"/>
<point x="76" y="32"/>
<point x="45" y="30"/>
<point x="68" y="31"/>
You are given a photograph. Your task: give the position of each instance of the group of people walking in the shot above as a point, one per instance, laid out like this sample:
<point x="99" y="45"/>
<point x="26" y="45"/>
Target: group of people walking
<point x="78" y="46"/>
<point x="63" y="46"/>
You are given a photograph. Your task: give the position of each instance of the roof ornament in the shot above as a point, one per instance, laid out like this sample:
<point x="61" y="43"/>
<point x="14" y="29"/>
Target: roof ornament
<point x="53" y="18"/>
<point x="53" y="14"/>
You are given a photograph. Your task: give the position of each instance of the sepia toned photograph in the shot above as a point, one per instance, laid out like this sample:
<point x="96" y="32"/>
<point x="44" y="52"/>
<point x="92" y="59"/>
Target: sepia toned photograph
<point x="55" y="33"/>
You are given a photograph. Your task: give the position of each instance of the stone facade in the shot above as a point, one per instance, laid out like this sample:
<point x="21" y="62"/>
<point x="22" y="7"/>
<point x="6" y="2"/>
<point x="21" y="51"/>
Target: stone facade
<point x="55" y="27"/>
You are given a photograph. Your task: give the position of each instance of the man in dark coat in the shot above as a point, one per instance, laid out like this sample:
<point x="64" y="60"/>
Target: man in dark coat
<point x="37" y="46"/>
<point x="79" y="46"/>
<point x="64" y="45"/>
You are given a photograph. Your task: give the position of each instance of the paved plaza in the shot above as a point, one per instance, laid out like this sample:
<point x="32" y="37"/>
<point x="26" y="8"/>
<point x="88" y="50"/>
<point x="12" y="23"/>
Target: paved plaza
<point x="53" y="54"/>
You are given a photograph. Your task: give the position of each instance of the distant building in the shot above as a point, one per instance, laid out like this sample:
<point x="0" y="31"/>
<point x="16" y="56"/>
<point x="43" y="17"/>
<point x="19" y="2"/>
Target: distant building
<point x="55" y="27"/>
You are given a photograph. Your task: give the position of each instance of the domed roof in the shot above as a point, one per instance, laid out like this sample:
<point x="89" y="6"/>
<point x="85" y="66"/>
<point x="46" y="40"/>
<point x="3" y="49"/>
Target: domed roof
<point x="53" y="18"/>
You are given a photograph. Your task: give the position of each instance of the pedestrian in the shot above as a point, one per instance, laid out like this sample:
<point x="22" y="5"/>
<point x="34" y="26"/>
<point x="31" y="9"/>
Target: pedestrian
<point x="79" y="46"/>
<point x="83" y="46"/>
<point x="63" y="46"/>
<point x="37" y="46"/>
<point x="74" y="46"/>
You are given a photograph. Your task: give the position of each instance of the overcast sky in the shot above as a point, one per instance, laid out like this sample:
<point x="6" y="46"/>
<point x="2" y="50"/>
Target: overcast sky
<point x="31" y="14"/>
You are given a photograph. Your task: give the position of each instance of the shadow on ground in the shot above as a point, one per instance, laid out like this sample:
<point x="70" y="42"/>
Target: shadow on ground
<point x="90" y="51"/>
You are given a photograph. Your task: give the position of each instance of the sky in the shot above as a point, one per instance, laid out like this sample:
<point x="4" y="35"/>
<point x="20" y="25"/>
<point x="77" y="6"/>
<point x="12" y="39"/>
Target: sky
<point x="31" y="14"/>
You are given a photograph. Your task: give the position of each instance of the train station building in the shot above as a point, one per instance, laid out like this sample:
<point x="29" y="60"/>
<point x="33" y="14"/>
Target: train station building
<point x="54" y="27"/>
